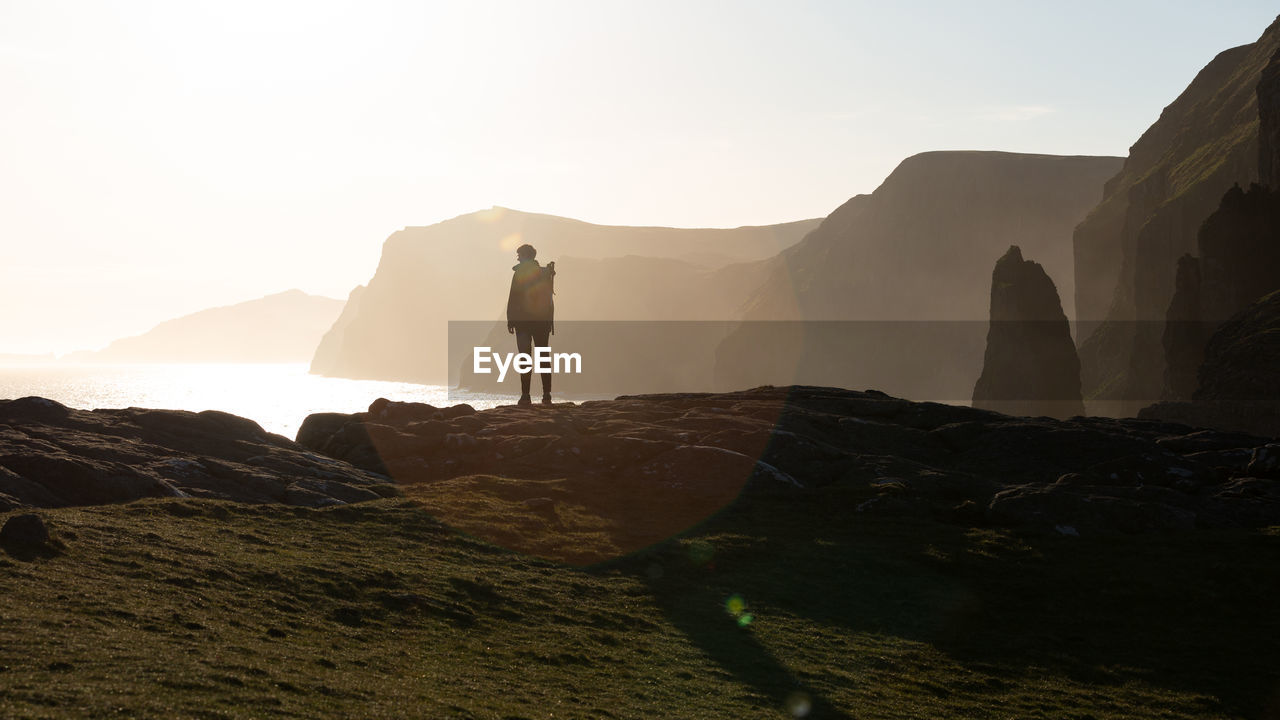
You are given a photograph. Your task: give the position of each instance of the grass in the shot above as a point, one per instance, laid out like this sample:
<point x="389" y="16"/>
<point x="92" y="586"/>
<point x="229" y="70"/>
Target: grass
<point x="182" y="608"/>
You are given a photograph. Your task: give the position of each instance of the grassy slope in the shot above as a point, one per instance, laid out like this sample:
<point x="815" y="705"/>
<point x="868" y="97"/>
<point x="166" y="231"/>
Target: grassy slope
<point x="211" y="609"/>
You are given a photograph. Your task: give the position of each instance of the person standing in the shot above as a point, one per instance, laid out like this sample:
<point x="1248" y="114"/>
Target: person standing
<point x="531" y="313"/>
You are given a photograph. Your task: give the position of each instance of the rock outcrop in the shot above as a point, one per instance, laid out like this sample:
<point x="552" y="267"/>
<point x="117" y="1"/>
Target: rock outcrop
<point x="1184" y="333"/>
<point x="1030" y="366"/>
<point x="1239" y="263"/>
<point x="664" y="462"/>
<point x="1126" y="251"/>
<point x="1239" y="252"/>
<point x="52" y="455"/>
<point x="892" y="281"/>
<point x="1239" y="387"/>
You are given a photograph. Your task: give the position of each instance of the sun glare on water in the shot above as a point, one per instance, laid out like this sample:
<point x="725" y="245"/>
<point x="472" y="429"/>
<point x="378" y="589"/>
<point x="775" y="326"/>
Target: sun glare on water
<point x="277" y="396"/>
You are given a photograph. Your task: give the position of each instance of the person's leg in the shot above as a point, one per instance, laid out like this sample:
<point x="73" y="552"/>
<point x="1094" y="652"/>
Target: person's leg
<point x="524" y="344"/>
<point x="542" y="339"/>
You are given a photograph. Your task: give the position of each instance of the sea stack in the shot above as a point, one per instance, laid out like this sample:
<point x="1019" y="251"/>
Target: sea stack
<point x="1030" y="366"/>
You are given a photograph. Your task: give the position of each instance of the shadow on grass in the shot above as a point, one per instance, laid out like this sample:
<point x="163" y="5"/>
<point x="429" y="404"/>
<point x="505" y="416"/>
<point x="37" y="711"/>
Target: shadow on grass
<point x="698" y="611"/>
<point x="29" y="553"/>
<point x="1192" y="612"/>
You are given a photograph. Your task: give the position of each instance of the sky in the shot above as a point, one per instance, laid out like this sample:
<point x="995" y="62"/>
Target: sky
<point x="158" y="158"/>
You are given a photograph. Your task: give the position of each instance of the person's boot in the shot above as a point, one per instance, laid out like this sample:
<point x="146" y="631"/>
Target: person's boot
<point x="546" y="399"/>
<point x="524" y="389"/>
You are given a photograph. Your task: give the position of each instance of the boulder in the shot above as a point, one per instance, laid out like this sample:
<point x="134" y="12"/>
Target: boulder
<point x="27" y="530"/>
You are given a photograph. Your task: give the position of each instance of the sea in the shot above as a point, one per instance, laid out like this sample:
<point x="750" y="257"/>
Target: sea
<point x="278" y="396"/>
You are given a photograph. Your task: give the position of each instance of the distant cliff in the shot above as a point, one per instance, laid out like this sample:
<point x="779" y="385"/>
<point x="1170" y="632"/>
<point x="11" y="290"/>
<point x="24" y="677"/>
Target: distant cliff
<point x="1126" y="251"/>
<point x="285" y="327"/>
<point x="460" y="270"/>
<point x="894" y="286"/>
<point x="20" y="359"/>
<point x="921" y="246"/>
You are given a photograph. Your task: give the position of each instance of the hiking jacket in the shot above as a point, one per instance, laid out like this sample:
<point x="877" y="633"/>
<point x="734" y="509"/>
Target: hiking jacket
<point x="531" y="290"/>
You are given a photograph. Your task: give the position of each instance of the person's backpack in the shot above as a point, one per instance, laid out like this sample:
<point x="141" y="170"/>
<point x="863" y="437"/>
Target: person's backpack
<point x="547" y="289"/>
<point x="532" y="289"/>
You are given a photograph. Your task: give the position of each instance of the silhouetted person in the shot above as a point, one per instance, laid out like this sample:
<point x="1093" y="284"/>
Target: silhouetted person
<point x="530" y="313"/>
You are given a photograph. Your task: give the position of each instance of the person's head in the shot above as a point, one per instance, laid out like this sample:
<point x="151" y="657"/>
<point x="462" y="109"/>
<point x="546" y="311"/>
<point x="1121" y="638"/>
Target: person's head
<point x="526" y="252"/>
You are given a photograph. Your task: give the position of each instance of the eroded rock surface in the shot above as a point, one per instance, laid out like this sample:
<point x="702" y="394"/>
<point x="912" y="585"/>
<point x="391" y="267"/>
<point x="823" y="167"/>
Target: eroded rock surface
<point x="681" y="455"/>
<point x="52" y="455"/>
<point x="1239" y="387"/>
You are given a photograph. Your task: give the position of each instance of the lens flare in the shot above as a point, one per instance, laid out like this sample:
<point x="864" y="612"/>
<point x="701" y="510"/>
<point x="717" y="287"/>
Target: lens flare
<point x="735" y="605"/>
<point x="511" y="241"/>
<point x="798" y="704"/>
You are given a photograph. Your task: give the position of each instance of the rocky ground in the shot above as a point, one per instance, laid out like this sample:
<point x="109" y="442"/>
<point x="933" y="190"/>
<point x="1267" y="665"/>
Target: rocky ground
<point x="52" y="455"/>
<point x="650" y="465"/>
<point x="641" y="468"/>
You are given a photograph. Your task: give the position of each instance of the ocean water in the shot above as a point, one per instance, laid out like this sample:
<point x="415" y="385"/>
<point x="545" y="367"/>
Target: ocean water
<point x="277" y="396"/>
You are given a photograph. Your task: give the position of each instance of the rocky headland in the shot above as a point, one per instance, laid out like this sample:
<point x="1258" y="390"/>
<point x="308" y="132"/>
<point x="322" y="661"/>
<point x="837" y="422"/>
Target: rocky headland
<point x="280" y="328"/>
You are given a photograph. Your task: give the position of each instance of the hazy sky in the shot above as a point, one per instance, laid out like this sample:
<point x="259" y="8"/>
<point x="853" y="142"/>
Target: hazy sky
<point x="157" y="158"/>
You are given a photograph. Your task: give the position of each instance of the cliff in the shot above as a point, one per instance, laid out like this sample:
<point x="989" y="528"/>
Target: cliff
<point x="459" y="270"/>
<point x="1239" y="389"/>
<point x="892" y="286"/>
<point x="1126" y="250"/>
<point x="920" y="246"/>
<point x="1239" y="259"/>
